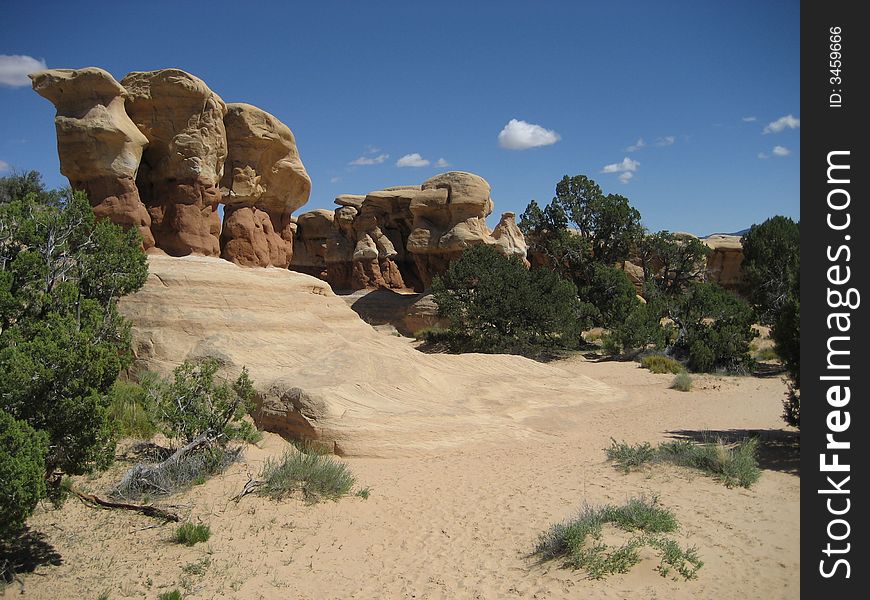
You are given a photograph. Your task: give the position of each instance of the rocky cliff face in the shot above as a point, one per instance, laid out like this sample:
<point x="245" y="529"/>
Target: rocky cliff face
<point x="401" y="237"/>
<point x="160" y="151"/>
<point x="184" y="160"/>
<point x="724" y="260"/>
<point x="264" y="181"/>
<point x="99" y="147"/>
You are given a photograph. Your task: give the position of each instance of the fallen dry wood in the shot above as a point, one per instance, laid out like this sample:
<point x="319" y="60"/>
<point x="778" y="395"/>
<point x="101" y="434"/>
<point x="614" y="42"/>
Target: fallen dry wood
<point x="151" y="511"/>
<point x="250" y="487"/>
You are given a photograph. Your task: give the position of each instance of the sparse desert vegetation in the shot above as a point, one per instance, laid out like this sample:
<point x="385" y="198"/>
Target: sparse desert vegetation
<point x="731" y="463"/>
<point x="315" y="475"/>
<point x="580" y="542"/>
<point x="682" y="382"/>
<point x="658" y="363"/>
<point x="190" y="534"/>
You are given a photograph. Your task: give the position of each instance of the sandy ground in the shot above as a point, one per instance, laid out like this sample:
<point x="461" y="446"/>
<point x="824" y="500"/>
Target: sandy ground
<point x="459" y="523"/>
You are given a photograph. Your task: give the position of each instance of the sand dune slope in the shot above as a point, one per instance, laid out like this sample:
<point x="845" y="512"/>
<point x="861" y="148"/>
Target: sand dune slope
<point x="460" y="523"/>
<point x="366" y="393"/>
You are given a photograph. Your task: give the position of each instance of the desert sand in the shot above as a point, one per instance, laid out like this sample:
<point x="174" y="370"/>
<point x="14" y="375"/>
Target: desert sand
<point x="459" y="522"/>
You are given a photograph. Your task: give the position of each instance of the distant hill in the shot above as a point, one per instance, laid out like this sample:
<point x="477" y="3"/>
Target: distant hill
<point x="741" y="233"/>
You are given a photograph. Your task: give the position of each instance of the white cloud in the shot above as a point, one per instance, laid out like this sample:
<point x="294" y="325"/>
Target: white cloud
<point x="782" y="123"/>
<point x="4" y="166"/>
<point x="520" y="135"/>
<point x="412" y="160"/>
<point x="369" y="160"/>
<point x="15" y="68"/>
<point x="668" y="140"/>
<point x="442" y="163"/>
<point x="781" y="151"/>
<point x="636" y="146"/>
<point x="626" y="177"/>
<point x="750" y="119"/>
<point x="335" y="180"/>
<point x="627" y="165"/>
<point x="763" y="156"/>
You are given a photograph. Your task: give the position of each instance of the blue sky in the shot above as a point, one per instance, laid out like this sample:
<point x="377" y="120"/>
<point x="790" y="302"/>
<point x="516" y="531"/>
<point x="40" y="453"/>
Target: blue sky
<point x="402" y="83"/>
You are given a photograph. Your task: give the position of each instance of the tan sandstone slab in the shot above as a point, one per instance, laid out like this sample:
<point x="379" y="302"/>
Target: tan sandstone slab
<point x="324" y="373"/>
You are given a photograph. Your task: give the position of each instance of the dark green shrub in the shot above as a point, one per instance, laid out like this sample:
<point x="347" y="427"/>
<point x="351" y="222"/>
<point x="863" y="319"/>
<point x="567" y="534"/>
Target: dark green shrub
<point x="604" y="229"/>
<point x="611" y="293"/>
<point x="193" y="404"/>
<point x="786" y="334"/>
<point x="190" y="534"/>
<point x="495" y="304"/>
<point x="659" y="363"/>
<point x="173" y="595"/>
<point x="771" y="260"/>
<point x="62" y="341"/>
<point x="642" y="329"/>
<point x="714" y="329"/>
<point x="22" y="471"/>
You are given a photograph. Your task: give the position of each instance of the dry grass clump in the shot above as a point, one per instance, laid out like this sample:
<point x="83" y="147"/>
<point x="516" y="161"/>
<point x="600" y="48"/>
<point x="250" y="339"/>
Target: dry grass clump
<point x="175" y="474"/>
<point x="316" y="475"/>
<point x="659" y="363"/>
<point x="682" y="382"/>
<point x="733" y="464"/>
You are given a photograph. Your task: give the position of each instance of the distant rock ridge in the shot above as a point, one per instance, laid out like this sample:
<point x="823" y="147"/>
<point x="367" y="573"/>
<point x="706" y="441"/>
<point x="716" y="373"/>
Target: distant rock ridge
<point x="403" y="236"/>
<point x="723" y="265"/>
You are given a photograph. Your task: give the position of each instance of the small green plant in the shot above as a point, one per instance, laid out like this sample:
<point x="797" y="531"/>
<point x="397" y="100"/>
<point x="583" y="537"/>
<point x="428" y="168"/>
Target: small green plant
<point x="103" y="595"/>
<point x="173" y="595"/>
<point x="580" y="542"/>
<point x="627" y="456"/>
<point x="659" y="363"/>
<point x="684" y="561"/>
<point x="317" y="476"/>
<point x="733" y="464"/>
<point x="132" y="409"/>
<point x="682" y="382"/>
<point x="197" y="568"/>
<point x="363" y="493"/>
<point x="641" y="514"/>
<point x="191" y="533"/>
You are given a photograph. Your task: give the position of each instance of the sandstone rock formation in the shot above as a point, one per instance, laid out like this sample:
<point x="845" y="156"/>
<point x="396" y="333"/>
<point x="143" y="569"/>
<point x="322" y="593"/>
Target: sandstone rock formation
<point x="183" y="163"/>
<point x="264" y="182"/>
<point x="322" y="373"/>
<point x="448" y="219"/>
<point x="99" y="146"/>
<point x="401" y="237"/>
<point x="724" y="260"/>
<point x="315" y="233"/>
<point x="509" y="240"/>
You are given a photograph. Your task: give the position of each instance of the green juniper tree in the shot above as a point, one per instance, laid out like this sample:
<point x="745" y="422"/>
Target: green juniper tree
<point x="62" y="341"/>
